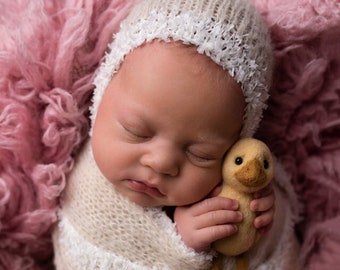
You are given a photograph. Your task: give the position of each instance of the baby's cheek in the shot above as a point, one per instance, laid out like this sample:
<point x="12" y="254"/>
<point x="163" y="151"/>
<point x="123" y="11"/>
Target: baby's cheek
<point x="208" y="188"/>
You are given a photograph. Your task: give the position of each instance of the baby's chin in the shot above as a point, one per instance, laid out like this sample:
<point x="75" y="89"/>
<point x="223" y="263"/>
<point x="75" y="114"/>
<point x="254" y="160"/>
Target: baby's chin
<point x="150" y="202"/>
<point x="146" y="200"/>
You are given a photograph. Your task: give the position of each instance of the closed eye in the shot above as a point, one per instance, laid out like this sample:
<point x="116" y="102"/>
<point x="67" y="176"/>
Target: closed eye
<point x="200" y="159"/>
<point x="135" y="133"/>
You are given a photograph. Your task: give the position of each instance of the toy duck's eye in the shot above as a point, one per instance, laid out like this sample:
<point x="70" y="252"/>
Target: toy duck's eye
<point x="265" y="164"/>
<point x="238" y="161"/>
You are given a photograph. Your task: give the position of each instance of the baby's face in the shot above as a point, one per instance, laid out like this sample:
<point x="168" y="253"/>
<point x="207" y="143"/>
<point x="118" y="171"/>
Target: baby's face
<point x="164" y="124"/>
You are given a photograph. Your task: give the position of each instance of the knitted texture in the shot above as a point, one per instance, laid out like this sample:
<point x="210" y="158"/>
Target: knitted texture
<point x="230" y="32"/>
<point x="104" y="230"/>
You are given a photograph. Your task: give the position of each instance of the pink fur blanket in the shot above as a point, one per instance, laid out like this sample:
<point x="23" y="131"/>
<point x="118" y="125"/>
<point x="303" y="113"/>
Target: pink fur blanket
<point x="49" y="51"/>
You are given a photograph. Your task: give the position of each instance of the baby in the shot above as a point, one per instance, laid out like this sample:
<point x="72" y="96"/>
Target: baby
<point x="182" y="82"/>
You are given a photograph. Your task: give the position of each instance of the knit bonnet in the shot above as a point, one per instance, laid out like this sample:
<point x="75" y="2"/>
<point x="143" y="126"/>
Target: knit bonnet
<point x="230" y="32"/>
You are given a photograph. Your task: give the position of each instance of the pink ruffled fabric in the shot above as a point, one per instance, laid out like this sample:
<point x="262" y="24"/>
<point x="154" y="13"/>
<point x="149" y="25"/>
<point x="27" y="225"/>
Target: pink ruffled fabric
<point x="302" y="125"/>
<point x="49" y="51"/>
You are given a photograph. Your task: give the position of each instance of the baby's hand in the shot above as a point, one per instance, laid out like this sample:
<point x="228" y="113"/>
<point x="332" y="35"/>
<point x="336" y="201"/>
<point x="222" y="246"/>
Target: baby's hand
<point x="264" y="204"/>
<point x="207" y="221"/>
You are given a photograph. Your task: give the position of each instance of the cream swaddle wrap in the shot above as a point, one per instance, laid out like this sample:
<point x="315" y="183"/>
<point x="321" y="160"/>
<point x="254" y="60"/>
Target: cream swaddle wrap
<point x="101" y="229"/>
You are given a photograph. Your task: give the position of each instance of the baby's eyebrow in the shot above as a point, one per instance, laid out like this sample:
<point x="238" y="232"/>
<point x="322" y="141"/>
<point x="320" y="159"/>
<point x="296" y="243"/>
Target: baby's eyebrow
<point x="213" y="138"/>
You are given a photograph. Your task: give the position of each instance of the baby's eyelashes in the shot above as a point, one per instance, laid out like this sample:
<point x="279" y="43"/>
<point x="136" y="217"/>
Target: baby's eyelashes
<point x="200" y="159"/>
<point x="137" y="134"/>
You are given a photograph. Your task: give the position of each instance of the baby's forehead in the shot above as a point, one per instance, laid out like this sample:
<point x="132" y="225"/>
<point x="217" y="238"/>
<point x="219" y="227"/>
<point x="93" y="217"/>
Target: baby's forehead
<point x="239" y="42"/>
<point x="196" y="64"/>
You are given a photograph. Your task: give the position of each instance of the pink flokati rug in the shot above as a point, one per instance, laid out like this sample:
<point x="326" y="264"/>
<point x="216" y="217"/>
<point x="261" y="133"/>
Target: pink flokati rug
<point x="49" y="51"/>
<point x="302" y="124"/>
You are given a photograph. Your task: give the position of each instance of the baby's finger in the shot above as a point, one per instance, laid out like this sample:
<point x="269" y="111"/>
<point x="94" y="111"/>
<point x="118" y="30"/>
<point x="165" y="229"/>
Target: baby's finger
<point x="266" y="191"/>
<point x="218" y="217"/>
<point x="213" y="204"/>
<point x="265" y="220"/>
<point x="262" y="204"/>
<point x="210" y="234"/>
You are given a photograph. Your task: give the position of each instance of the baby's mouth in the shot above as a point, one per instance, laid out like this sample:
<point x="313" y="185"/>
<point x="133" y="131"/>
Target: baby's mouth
<point x="143" y="187"/>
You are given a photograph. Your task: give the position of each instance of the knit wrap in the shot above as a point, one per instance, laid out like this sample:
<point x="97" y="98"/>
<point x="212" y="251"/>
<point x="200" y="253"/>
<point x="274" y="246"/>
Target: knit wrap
<point x="100" y="229"/>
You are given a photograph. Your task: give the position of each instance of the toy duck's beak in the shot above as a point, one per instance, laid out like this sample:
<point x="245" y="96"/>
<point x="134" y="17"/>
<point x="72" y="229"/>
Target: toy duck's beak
<point x="251" y="174"/>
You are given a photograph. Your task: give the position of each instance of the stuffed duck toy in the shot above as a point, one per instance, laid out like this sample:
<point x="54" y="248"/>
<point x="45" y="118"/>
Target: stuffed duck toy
<point x="247" y="168"/>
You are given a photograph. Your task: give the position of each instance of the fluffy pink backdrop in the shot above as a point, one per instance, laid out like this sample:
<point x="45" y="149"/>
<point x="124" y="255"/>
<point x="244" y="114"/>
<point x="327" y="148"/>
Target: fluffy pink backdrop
<point x="49" y="51"/>
<point x="302" y="125"/>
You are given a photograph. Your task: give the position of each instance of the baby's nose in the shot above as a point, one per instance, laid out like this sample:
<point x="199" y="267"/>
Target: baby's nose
<point x="162" y="158"/>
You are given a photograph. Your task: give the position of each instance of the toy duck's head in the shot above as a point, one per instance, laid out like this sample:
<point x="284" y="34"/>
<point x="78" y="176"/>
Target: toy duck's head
<point x="248" y="165"/>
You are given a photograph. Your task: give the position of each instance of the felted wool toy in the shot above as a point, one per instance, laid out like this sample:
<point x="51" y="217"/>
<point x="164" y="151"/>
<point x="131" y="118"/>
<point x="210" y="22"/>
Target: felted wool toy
<point x="247" y="168"/>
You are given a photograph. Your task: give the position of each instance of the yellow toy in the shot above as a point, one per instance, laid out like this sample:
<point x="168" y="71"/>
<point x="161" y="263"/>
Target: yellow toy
<point x="247" y="168"/>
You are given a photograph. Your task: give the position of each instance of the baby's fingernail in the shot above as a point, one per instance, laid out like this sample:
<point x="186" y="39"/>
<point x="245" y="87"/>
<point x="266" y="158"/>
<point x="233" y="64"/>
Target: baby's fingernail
<point x="253" y="206"/>
<point x="235" y="204"/>
<point x="239" y="216"/>
<point x="234" y="228"/>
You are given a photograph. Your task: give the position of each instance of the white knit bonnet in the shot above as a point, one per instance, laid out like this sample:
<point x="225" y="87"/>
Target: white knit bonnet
<point x="230" y="32"/>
